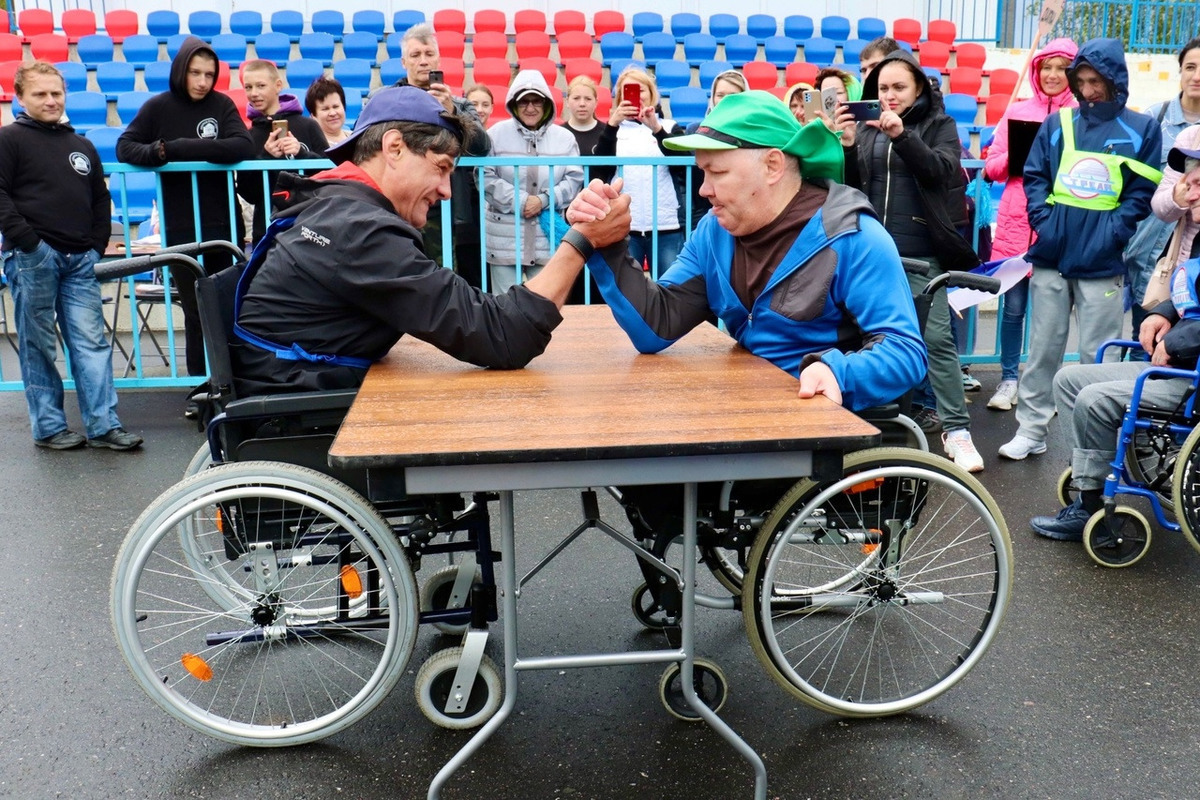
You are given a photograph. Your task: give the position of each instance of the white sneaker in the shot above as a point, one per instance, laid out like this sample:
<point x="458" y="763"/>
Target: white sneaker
<point x="1005" y="397"/>
<point x="1022" y="446"/>
<point x="961" y="450"/>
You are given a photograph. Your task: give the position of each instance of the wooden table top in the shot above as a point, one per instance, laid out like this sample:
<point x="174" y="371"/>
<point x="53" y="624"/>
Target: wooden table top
<point x="589" y="396"/>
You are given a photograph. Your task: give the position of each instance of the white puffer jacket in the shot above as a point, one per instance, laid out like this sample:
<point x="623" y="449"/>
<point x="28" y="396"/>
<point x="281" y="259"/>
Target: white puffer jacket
<point x="507" y="188"/>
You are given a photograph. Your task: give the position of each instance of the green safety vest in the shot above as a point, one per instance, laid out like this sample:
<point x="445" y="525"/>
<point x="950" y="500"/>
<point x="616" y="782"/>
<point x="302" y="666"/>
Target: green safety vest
<point x="1091" y="180"/>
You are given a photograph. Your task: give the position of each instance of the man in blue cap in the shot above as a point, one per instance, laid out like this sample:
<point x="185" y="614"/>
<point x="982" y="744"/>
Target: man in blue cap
<point x="342" y="274"/>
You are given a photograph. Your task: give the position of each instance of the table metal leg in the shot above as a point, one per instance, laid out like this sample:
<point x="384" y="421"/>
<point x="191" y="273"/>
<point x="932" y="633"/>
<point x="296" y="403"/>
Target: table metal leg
<point x="687" y="635"/>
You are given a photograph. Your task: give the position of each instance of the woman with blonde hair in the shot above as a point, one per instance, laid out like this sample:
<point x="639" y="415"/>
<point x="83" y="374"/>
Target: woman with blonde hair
<point x="581" y="113"/>
<point x="794" y="98"/>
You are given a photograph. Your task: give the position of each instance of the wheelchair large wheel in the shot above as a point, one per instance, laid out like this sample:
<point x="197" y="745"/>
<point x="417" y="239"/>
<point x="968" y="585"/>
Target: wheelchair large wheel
<point x="199" y="462"/>
<point x="1151" y="459"/>
<point x="1185" y="488"/>
<point x="318" y="609"/>
<point x="874" y="594"/>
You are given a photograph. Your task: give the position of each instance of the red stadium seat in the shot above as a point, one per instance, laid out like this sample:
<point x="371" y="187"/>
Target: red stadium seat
<point x="533" y="44"/>
<point x="499" y="110"/>
<point x="451" y="43"/>
<point x="568" y="21"/>
<point x="77" y="22"/>
<point x="942" y="30"/>
<point x="491" y="71"/>
<point x="120" y="23"/>
<point x="800" y="72"/>
<point x="607" y="22"/>
<point x="760" y="74"/>
<point x="10" y="47"/>
<point x="488" y="19"/>
<point x="965" y="80"/>
<point x="8" y="72"/>
<point x="1003" y="81"/>
<point x="970" y="54"/>
<point x="450" y="19"/>
<point x="546" y="66"/>
<point x="934" y="54"/>
<point x="35" y="22"/>
<point x="489" y="44"/>
<point x="529" y="19"/>
<point x="454" y="73"/>
<point x="575" y="44"/>
<point x="907" y="30"/>
<point x="49" y="47"/>
<point x="574" y="67"/>
<point x="997" y="104"/>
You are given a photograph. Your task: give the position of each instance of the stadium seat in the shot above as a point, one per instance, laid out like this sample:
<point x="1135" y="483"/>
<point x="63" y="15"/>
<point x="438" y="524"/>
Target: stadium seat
<point x="328" y="20"/>
<point x="970" y="54"/>
<point x="670" y="74"/>
<point x="934" y="74"/>
<point x="230" y="47"/>
<point x="761" y="75"/>
<point x="87" y="110"/>
<point x="75" y="75"/>
<point x="850" y="53"/>
<point x="162" y="23"/>
<point x="724" y="25"/>
<point x="740" y="48"/>
<point x="8" y="70"/>
<point x="603" y="106"/>
<point x="798" y="27"/>
<point x="871" y="28"/>
<point x="800" y="72"/>
<point x="499" y="112"/>
<point x="995" y="107"/>
<point x="934" y="54"/>
<point x="140" y="49"/>
<point x="547" y="66"/>
<point x="688" y="104"/>
<point x="94" y="49"/>
<point x="11" y="49"/>
<point x="391" y="70"/>
<point x="532" y="44"/>
<point x="454" y="72"/>
<point x="133" y="195"/>
<point x="406" y="18"/>
<point x="157" y="76"/>
<point x="574" y="44"/>
<point x="274" y="46"/>
<point x="820" y="50"/>
<point x="647" y="22"/>
<point x="569" y="22"/>
<point x="318" y="45"/>
<point x="699" y="47"/>
<point x="224" y="76"/>
<point x="354" y="74"/>
<point x="608" y="22"/>
<point x="174" y="42"/>
<point x="964" y="135"/>
<point x="966" y="80"/>
<point x="709" y="70"/>
<point x="128" y="104"/>
<point x="451" y="43"/>
<point x="35" y="22"/>
<point x="361" y="44"/>
<point x="658" y="46"/>
<point x="77" y="23"/>
<point x="489" y="44"/>
<point x="942" y="30"/>
<point x="616" y="44"/>
<point x="963" y="108"/>
<point x="392" y="44"/>
<point x="835" y="28"/>
<point x="450" y="19"/>
<point x="684" y="24"/>
<point x="114" y="77"/>
<point x="492" y="71"/>
<point x="121" y="23"/>
<point x="369" y="21"/>
<point x="906" y="30"/>
<point x="762" y="26"/>
<point x="619" y="65"/>
<point x="50" y="47"/>
<point x="1003" y="81"/>
<point x="301" y="72"/>
<point x="247" y="23"/>
<point x="105" y="141"/>
<point x="574" y="67"/>
<point x="489" y="19"/>
<point x="529" y="19"/>
<point x="289" y="22"/>
<point x="238" y="96"/>
<point x="205" y="24"/>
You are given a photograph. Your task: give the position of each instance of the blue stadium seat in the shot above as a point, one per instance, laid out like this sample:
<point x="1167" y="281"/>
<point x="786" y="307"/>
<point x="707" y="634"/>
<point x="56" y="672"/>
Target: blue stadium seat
<point x="393" y="47"/>
<point x="75" y="75"/>
<point x="369" y="21"/>
<point x="850" y="50"/>
<point x="162" y="23"/>
<point x="87" y="110"/>
<point x="354" y="74"/>
<point x="685" y="24"/>
<point x="934" y="74"/>
<point x="406" y="18"/>
<point x="354" y="104"/>
<point x="247" y="23"/>
<point x="134" y="191"/>
<point x="114" y="77"/>
<point x="658" y="46"/>
<point x="963" y="108"/>
<point x="95" y="49"/>
<point x="779" y="50"/>
<point x="709" y="70"/>
<point x="616" y="44"/>
<point x="289" y="22"/>
<point x="391" y="71"/>
<point x="723" y="25"/>
<point x="174" y="43"/>
<point x="301" y="72"/>
<point x="128" y="104"/>
<point x="274" y="46"/>
<point x="762" y="26"/>
<point x="964" y="135"/>
<point x="105" y="140"/>
<point x="361" y="44"/>
<point x="836" y="28"/>
<point x="871" y="28"/>
<point x="205" y="24"/>
<point x="329" y="21"/>
<point x="699" y="47"/>
<point x="644" y="22"/>
<point x="670" y="74"/>
<point x="157" y="76"/>
<point x="688" y="104"/>
<point x="140" y="49"/>
<point x="619" y="65"/>
<point x="820" y="50"/>
<point x="740" y="48"/>
<point x="230" y="47"/>
<point x="799" y="27"/>
<point x="318" y="45"/>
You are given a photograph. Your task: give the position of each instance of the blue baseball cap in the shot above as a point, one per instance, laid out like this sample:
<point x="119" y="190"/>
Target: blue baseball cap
<point x="396" y="104"/>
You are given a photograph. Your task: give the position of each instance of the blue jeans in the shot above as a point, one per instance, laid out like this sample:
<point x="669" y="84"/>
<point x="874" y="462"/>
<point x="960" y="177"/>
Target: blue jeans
<point x="46" y="283"/>
<point x="1012" y="329"/>
<point x="669" y="245"/>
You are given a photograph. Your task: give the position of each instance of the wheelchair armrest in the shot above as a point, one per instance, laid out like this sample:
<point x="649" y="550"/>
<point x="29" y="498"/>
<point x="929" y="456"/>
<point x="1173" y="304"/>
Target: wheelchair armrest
<point x="269" y="405"/>
<point x="879" y="413"/>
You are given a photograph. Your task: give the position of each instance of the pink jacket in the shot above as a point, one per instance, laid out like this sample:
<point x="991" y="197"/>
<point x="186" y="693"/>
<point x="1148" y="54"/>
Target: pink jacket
<point x="1164" y="200"/>
<point x="1013" y="236"/>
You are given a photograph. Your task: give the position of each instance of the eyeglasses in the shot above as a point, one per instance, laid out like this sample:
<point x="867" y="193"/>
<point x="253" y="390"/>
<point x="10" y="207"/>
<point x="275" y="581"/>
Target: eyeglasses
<point x="531" y="101"/>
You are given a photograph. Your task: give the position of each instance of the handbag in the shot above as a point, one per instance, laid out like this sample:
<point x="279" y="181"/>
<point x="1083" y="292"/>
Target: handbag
<point x="1158" y="288"/>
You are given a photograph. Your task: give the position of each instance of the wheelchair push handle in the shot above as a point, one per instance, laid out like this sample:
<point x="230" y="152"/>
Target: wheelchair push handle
<point x="963" y="280"/>
<point x="183" y="255"/>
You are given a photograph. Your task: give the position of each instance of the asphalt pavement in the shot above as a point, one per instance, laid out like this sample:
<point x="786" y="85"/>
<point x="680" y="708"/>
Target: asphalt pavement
<point x="1088" y="691"/>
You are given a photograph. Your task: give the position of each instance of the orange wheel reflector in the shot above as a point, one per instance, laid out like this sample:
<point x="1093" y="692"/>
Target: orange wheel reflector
<point x="351" y="582"/>
<point x="865" y="486"/>
<point x="220" y="522"/>
<point x="197" y="667"/>
<point x="868" y="549"/>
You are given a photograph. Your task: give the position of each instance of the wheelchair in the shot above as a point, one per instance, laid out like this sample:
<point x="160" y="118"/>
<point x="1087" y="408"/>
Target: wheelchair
<point x="1149" y="463"/>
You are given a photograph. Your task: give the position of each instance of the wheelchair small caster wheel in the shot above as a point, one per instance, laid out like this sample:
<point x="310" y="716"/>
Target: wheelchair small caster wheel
<point x="1121" y="540"/>
<point x="1065" y="492"/>
<point x="435" y="596"/>
<point x="435" y="682"/>
<point x="712" y="687"/>
<point x="647" y="611"/>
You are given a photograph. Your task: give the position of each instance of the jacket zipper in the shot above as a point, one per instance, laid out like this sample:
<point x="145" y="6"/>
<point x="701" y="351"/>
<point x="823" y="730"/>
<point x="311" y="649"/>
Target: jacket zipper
<point x="887" y="186"/>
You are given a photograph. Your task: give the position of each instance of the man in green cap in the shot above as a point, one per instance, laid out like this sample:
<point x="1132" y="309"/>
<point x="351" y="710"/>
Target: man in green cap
<point x="794" y="263"/>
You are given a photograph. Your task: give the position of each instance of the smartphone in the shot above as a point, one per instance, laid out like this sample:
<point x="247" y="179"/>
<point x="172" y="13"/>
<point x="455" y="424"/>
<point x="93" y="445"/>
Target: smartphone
<point x="632" y="93"/>
<point x="864" y="109"/>
<point x="812" y="104"/>
<point x="437" y="76"/>
<point x="280" y="125"/>
<point x="829" y="101"/>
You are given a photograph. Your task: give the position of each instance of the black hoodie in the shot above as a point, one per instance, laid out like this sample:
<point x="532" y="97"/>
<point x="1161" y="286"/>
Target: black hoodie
<point x="189" y="130"/>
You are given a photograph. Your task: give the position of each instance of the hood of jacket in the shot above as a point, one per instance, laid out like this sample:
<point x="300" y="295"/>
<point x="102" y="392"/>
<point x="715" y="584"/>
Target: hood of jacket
<point x="928" y="102"/>
<point x="530" y="80"/>
<point x="1055" y="48"/>
<point x="1107" y="57"/>
<point x="179" y="65"/>
<point x="62" y="125"/>
<point x="288" y="104"/>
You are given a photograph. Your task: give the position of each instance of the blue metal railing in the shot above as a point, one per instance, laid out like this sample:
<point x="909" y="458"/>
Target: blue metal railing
<point x="1145" y="26"/>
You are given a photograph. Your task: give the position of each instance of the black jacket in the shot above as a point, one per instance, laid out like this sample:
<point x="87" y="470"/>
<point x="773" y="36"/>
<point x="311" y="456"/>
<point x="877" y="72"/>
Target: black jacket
<point x="51" y="188"/>
<point x="189" y="130"/>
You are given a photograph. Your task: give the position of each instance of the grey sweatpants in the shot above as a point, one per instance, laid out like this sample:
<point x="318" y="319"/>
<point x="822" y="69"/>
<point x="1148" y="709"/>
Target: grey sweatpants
<point x="945" y="371"/>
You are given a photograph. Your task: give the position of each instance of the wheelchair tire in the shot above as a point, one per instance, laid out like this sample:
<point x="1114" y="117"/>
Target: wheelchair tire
<point x="1153" y="454"/>
<point x="201" y="461"/>
<point x="435" y="596"/>
<point x="435" y="681"/>
<point x="316" y="622"/>
<point x="1185" y="488"/>
<point x="1063" y="489"/>
<point x="1121" y="540"/>
<point x="709" y="681"/>
<point x="876" y="593"/>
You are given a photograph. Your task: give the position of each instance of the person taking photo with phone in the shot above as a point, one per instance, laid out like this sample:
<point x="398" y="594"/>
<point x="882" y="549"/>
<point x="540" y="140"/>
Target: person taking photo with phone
<point x="908" y="163"/>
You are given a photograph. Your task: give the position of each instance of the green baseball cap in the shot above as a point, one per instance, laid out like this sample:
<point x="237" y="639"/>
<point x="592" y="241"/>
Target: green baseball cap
<point x="758" y="119"/>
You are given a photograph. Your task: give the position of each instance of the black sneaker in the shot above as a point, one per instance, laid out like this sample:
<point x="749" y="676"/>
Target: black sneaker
<point x="117" y="439"/>
<point x="65" y="439"/>
<point x="927" y="419"/>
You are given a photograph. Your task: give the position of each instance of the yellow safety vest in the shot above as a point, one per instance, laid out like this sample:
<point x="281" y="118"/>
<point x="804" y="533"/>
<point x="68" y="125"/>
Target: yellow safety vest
<point x="1091" y="180"/>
